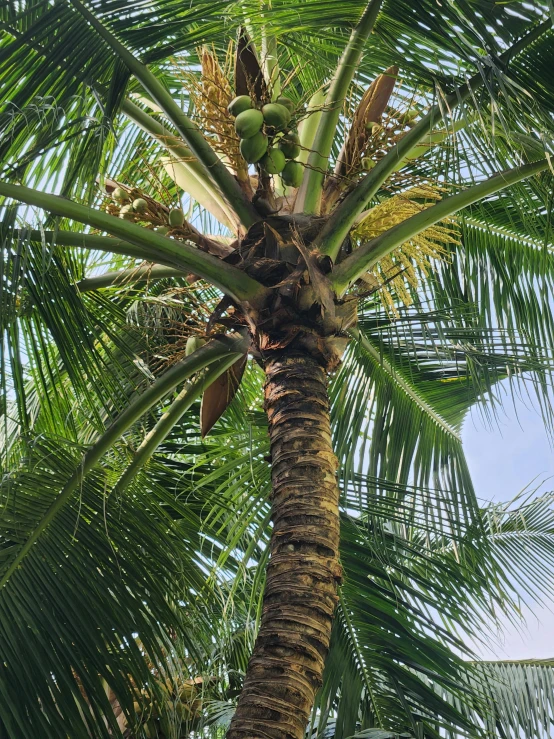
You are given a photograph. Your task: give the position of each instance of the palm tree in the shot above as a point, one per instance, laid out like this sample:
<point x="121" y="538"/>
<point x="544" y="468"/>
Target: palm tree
<point x="382" y="264"/>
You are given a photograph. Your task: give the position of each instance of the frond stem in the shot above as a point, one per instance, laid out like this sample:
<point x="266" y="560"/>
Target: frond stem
<point x="342" y="219"/>
<point x="180" y="405"/>
<point x="123" y="277"/>
<point x="214" y="350"/>
<point x="190" y="132"/>
<point x="159" y="248"/>
<point x="309" y="195"/>
<point x="368" y="254"/>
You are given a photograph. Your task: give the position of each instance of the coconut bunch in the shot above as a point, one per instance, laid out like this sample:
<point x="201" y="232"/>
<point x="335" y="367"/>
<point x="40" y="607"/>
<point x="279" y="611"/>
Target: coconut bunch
<point x="399" y="272"/>
<point x="268" y="136"/>
<point x="132" y="205"/>
<point x="211" y="95"/>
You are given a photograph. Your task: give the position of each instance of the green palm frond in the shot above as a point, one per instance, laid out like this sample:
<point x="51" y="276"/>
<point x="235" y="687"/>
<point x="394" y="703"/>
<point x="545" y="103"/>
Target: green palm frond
<point x="65" y="617"/>
<point x="484" y="268"/>
<point x="407" y="384"/>
<point x="42" y="309"/>
<point x="131" y="584"/>
<point x="393" y="574"/>
<point x="521" y="698"/>
<point x="377" y="673"/>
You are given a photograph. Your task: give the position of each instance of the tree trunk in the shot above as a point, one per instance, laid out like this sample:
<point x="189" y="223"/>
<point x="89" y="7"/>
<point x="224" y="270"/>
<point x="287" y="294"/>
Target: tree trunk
<point x="286" y="666"/>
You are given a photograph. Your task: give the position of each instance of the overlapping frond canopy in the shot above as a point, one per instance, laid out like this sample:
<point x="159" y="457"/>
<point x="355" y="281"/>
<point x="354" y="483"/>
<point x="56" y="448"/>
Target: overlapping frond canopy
<point x="165" y="578"/>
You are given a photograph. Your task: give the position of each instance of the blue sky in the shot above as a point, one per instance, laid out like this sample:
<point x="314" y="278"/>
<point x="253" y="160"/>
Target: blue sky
<point x="503" y="460"/>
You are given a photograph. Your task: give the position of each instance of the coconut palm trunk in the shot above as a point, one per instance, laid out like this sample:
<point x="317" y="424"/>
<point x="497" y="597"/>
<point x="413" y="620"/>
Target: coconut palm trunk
<point x="286" y="666"/>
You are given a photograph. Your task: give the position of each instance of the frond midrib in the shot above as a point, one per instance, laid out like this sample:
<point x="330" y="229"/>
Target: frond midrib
<point x="410" y="391"/>
<point x="504" y="233"/>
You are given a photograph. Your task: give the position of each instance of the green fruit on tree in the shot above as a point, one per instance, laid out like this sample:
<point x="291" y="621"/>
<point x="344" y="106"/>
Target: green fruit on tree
<point x="367" y="163"/>
<point x="239" y="105"/>
<point x="126" y="212"/>
<point x="120" y="195"/>
<point x="161" y="229"/>
<point x="292" y="174"/>
<point x="290" y="145"/>
<point x="248" y="123"/>
<point x="193" y="343"/>
<point x="140" y="205"/>
<point x="276" y="115"/>
<point x="274" y="161"/>
<point x="176" y="217"/>
<point x="254" y="148"/>
<point x="286" y="102"/>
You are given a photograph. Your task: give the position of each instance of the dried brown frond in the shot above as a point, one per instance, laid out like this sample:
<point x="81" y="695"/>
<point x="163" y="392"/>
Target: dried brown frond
<point x="402" y="269"/>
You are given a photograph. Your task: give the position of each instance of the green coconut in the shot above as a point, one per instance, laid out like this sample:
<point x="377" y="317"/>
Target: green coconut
<point x="120" y="195"/>
<point x="367" y="163"/>
<point x="286" y="102"/>
<point x="253" y="148"/>
<point x="239" y="105"/>
<point x="161" y="229"/>
<point x="248" y="123"/>
<point x="292" y="173"/>
<point x="140" y="205"/>
<point x="127" y="213"/>
<point x="274" y="161"/>
<point x="193" y="343"/>
<point x="276" y="115"/>
<point x="290" y="145"/>
<point x="176" y="217"/>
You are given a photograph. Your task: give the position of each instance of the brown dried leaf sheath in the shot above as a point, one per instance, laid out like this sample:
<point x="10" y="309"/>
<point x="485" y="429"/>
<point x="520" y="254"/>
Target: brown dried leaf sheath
<point x="219" y="394"/>
<point x="249" y="78"/>
<point x="370" y="110"/>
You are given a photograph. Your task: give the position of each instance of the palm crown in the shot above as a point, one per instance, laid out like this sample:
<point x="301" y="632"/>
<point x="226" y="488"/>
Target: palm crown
<point x="368" y="192"/>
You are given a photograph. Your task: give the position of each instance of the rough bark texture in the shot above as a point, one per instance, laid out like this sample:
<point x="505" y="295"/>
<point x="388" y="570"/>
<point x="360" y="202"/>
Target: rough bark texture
<point x="286" y="666"/>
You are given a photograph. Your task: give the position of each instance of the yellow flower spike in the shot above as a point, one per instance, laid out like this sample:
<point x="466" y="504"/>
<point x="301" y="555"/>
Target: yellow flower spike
<point x="416" y="256"/>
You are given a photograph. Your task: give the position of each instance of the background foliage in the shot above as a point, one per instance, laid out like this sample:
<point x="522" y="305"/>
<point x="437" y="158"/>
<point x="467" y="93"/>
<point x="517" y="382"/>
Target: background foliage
<point x="123" y="592"/>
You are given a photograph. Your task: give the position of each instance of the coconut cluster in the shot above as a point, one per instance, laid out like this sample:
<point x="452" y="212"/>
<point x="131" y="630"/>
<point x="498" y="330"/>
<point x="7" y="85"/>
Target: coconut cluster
<point x="181" y="704"/>
<point x="139" y="209"/>
<point x="267" y="137"/>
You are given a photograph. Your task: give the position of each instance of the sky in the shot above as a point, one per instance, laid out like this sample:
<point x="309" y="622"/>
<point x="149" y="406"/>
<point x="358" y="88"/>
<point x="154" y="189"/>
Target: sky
<point x="503" y="460"/>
